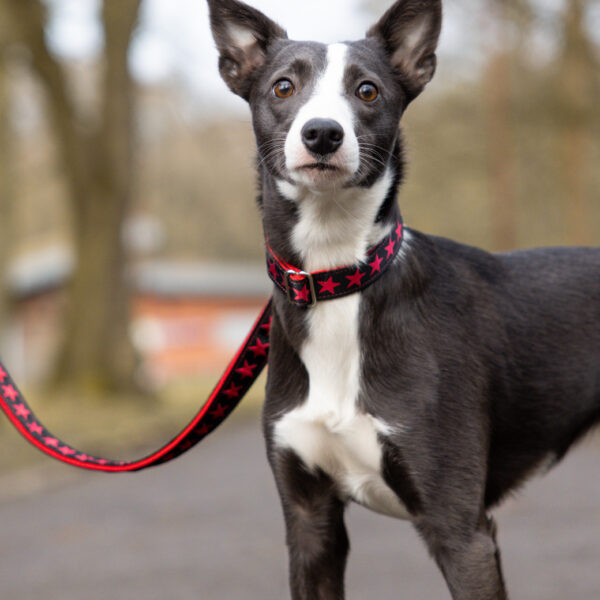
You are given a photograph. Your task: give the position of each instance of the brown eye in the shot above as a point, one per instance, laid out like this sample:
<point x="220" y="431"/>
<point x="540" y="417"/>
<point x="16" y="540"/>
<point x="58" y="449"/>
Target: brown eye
<point x="367" y="92"/>
<point x="284" y="88"/>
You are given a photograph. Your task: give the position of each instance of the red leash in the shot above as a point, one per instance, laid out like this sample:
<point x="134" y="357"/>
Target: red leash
<point x="233" y="385"/>
<point x="302" y="290"/>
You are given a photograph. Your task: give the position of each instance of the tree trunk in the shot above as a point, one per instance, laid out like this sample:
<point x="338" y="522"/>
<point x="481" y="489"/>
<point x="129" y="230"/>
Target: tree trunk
<point x="575" y="80"/>
<point x="97" y="348"/>
<point x="5" y="200"/>
<point x="96" y="351"/>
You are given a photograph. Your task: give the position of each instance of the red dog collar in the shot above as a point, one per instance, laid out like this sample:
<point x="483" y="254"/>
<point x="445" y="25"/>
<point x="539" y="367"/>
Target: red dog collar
<point x="306" y="289"/>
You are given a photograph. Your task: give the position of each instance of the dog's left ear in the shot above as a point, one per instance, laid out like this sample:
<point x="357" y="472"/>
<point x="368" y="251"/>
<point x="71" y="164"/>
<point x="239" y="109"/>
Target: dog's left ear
<point x="243" y="36"/>
<point x="409" y="31"/>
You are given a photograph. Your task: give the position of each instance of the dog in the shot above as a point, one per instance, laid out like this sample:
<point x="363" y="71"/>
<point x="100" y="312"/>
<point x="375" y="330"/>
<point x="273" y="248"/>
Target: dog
<point x="434" y="392"/>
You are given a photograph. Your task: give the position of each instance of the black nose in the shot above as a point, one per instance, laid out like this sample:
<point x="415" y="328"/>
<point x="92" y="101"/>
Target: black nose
<point x="322" y="136"/>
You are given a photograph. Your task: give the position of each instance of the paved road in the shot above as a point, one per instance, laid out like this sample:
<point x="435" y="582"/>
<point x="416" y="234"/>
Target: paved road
<point x="208" y="527"/>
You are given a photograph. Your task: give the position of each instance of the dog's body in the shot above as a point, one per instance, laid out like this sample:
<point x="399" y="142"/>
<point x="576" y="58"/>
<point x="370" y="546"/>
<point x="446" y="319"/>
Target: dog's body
<point x="436" y="391"/>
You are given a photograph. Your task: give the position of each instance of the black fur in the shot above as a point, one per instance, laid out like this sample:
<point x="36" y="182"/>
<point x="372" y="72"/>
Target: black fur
<point x="491" y="363"/>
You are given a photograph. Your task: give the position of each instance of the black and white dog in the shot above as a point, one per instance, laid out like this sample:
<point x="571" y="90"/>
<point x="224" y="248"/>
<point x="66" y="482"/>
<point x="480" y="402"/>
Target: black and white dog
<point x="437" y="390"/>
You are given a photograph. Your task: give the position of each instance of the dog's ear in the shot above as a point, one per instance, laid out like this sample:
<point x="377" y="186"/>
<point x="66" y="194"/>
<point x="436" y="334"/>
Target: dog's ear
<point x="409" y="31"/>
<point x="243" y="35"/>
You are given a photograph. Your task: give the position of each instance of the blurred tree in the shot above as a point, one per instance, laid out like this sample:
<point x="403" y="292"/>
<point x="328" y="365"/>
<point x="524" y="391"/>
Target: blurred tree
<point x="507" y="22"/>
<point x="575" y="84"/>
<point x="5" y="186"/>
<point x="96" y="153"/>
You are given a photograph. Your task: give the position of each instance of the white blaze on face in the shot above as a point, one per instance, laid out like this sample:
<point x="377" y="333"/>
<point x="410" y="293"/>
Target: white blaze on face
<point x="328" y="101"/>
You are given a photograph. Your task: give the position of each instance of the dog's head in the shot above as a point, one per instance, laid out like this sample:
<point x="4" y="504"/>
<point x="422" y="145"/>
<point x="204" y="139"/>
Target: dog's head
<point x="327" y="115"/>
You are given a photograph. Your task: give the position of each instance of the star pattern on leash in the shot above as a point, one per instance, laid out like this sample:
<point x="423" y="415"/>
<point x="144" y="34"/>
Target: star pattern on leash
<point x="10" y="392"/>
<point x="35" y="428"/>
<point x="233" y="392"/>
<point x="219" y="412"/>
<point x="231" y="389"/>
<point x="247" y="370"/>
<point x="22" y="411"/>
<point x="259" y="349"/>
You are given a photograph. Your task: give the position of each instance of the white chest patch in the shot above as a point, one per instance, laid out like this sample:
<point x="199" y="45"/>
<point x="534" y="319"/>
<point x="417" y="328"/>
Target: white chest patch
<point x="328" y="431"/>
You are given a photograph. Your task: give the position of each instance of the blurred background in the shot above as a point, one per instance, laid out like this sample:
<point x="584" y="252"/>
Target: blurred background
<point x="131" y="253"/>
<point x="131" y="267"/>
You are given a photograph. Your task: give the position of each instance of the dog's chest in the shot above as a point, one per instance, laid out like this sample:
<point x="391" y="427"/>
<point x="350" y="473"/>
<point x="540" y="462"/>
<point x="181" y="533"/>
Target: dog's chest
<point x="328" y="431"/>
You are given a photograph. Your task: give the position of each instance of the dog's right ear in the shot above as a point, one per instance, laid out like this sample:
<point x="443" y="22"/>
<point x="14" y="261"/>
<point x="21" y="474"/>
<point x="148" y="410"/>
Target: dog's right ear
<point x="243" y="36"/>
<point x="409" y="32"/>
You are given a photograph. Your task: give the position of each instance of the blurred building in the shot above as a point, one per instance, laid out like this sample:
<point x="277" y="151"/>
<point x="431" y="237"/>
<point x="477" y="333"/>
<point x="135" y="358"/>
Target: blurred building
<point x="188" y="317"/>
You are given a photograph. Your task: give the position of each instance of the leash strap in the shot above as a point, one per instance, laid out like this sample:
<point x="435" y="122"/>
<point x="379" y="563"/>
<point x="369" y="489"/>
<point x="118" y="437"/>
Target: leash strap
<point x="233" y="385"/>
<point x="302" y="289"/>
<point x="306" y="289"/>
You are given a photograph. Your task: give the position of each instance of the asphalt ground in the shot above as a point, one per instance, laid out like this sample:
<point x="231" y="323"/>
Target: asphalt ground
<point x="208" y="526"/>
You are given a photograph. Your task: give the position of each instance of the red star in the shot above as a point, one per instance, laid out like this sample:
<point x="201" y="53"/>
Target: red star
<point x="22" y="411"/>
<point x="390" y="248"/>
<point x="303" y="294"/>
<point x="399" y="231"/>
<point x="219" y="412"/>
<point x="273" y="270"/>
<point x="66" y="450"/>
<point x="50" y="441"/>
<point x="355" y="279"/>
<point x="10" y="392"/>
<point x="35" y="428"/>
<point x="83" y="457"/>
<point x="328" y="286"/>
<point x="247" y="370"/>
<point x="203" y="430"/>
<point x="102" y="461"/>
<point x="376" y="265"/>
<point x="260" y="349"/>
<point x="3" y="374"/>
<point x="233" y="391"/>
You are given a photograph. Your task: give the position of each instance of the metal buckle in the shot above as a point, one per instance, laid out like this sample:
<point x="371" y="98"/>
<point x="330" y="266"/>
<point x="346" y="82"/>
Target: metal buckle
<point x="311" y="284"/>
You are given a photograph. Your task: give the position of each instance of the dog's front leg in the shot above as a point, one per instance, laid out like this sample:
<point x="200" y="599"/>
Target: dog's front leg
<point x="316" y="535"/>
<point x="470" y="562"/>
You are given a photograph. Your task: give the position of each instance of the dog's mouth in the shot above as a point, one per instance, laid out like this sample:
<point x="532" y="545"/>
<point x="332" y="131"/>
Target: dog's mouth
<point x="319" y="167"/>
<point x="320" y="174"/>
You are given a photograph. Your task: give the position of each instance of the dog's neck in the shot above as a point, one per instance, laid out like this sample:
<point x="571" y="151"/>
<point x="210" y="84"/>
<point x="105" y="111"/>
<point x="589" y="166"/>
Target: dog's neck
<point x="330" y="228"/>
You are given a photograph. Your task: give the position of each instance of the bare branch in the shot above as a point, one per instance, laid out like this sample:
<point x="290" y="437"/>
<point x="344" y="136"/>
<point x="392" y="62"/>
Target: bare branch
<point x="28" y="18"/>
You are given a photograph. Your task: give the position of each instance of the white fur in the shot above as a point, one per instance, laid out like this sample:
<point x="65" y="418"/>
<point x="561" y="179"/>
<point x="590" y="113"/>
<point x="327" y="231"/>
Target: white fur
<point x="413" y="38"/>
<point x="406" y="240"/>
<point x="328" y="430"/>
<point x="288" y="190"/>
<point x="328" y="101"/>
<point x="241" y="37"/>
